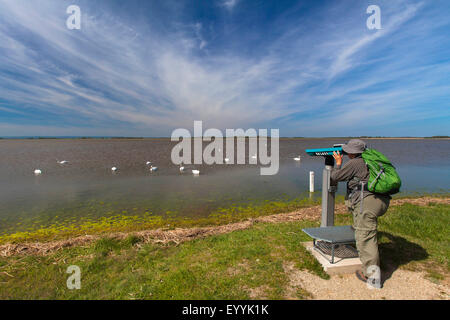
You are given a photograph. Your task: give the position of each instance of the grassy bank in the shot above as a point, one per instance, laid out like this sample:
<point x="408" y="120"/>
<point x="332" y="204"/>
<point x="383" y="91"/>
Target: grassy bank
<point x="239" y="265"/>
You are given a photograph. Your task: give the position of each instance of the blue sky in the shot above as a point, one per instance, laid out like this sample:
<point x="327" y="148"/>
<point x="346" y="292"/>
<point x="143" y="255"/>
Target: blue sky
<point x="144" y="68"/>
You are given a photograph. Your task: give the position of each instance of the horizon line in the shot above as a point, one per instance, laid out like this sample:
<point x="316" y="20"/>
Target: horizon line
<point x="166" y="137"/>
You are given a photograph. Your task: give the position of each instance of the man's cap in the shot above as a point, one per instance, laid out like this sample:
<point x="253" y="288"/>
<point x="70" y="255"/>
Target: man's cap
<point x="354" y="146"/>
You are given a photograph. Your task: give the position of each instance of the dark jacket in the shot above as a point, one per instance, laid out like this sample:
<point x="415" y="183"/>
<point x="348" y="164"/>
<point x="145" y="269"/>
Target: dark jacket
<point x="354" y="171"/>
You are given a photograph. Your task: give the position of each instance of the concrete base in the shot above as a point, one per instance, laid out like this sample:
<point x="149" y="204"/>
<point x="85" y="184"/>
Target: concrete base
<point x="341" y="266"/>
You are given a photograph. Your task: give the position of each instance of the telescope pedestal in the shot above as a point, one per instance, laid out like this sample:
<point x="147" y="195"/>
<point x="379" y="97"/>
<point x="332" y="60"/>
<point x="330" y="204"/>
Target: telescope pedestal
<point x="329" y="240"/>
<point x="328" y="198"/>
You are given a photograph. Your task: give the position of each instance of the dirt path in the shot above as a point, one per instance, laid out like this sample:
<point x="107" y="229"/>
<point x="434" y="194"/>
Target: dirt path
<point x="180" y="235"/>
<point x="403" y="285"/>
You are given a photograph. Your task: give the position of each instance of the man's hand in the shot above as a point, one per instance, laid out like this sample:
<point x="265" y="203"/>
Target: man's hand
<point x="338" y="157"/>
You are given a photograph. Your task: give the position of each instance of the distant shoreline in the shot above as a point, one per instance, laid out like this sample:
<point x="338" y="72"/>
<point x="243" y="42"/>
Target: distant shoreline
<point x="168" y="138"/>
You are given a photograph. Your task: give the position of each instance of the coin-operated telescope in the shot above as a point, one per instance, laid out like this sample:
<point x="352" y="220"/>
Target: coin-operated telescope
<point x="328" y="190"/>
<point x="330" y="240"/>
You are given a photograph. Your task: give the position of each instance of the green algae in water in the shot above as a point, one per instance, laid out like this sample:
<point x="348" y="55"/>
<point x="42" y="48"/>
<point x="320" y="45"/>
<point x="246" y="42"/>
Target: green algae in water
<point x="53" y="227"/>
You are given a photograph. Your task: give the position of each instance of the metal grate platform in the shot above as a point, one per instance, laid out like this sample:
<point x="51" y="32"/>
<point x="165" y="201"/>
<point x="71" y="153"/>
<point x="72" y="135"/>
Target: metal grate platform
<point x="342" y="251"/>
<point x="338" y="234"/>
<point x="333" y="241"/>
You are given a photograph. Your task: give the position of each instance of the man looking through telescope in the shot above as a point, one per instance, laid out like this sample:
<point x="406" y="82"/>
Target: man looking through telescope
<point x="374" y="205"/>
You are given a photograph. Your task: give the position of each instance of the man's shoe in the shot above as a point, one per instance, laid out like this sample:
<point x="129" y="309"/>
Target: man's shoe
<point x="374" y="283"/>
<point x="361" y="276"/>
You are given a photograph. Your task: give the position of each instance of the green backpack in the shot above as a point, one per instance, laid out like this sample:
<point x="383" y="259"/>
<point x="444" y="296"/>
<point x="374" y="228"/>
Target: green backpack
<point x="383" y="177"/>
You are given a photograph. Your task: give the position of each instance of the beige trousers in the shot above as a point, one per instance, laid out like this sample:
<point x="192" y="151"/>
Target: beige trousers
<point x="365" y="225"/>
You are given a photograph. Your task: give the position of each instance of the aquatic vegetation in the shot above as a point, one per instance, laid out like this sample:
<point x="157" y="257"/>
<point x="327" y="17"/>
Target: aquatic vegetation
<point x="58" y="226"/>
<point x="98" y="217"/>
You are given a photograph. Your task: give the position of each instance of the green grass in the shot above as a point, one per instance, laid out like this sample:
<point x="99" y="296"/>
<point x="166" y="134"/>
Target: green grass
<point x="243" y="264"/>
<point x="417" y="237"/>
<point x="428" y="227"/>
<point x="219" y="267"/>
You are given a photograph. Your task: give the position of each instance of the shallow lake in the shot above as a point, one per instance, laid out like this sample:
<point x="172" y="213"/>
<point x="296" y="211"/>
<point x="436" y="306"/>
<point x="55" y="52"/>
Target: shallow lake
<point x="87" y="186"/>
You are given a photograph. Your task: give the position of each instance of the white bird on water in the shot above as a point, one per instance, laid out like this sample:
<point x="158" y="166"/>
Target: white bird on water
<point x="63" y="162"/>
<point x="181" y="168"/>
<point x="114" y="169"/>
<point x="37" y="172"/>
<point x="195" y="172"/>
<point x="148" y="163"/>
<point x="152" y="168"/>
<point x="297" y="158"/>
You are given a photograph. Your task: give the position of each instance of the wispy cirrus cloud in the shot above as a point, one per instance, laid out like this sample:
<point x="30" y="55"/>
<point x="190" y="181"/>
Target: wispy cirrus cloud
<point x="344" y="60"/>
<point x="129" y="77"/>
<point x="229" y="4"/>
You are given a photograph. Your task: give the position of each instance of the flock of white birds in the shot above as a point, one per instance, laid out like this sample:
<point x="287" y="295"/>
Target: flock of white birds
<point x="149" y="164"/>
<point x="151" y="167"/>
